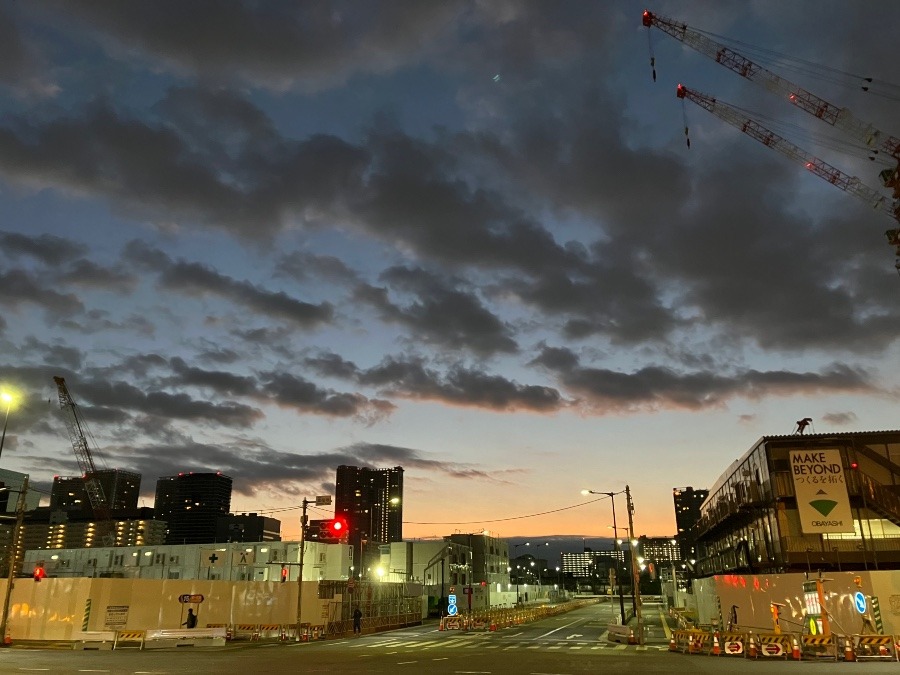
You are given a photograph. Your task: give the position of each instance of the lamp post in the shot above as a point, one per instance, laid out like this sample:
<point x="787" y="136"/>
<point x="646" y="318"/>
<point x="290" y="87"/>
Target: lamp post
<point x="13" y="556"/>
<point x="612" y="499"/>
<point x="8" y="399"/>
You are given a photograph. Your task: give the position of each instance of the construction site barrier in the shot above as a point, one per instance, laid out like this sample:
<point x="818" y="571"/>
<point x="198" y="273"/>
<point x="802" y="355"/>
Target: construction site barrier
<point x="731" y="644"/>
<point x="820" y="646"/>
<point x="181" y="637"/>
<point x="773" y="645"/>
<point x="689" y="641"/>
<point x="132" y="638"/>
<point x="874" y="647"/>
<point x="618" y="633"/>
<point x="99" y="639"/>
<point x="245" y="631"/>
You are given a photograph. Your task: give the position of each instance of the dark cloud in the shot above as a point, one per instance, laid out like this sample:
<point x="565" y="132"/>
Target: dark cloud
<point x="442" y="315"/>
<point x="196" y="279"/>
<point x="20" y="287"/>
<point x="657" y="387"/>
<point x="296" y="392"/>
<point x="460" y="386"/>
<point x="840" y="419"/>
<point x="89" y="274"/>
<point x="48" y="249"/>
<point x="274" y="44"/>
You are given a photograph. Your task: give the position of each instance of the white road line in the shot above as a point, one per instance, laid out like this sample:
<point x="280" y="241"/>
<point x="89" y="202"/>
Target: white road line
<point x="443" y="658"/>
<point x="560" y="628"/>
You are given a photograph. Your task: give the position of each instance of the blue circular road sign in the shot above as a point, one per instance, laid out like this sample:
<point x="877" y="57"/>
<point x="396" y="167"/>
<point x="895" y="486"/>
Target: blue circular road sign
<point x="860" y="601"/>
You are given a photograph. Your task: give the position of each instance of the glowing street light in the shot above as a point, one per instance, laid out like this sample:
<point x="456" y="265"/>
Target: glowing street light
<point x="8" y="399"/>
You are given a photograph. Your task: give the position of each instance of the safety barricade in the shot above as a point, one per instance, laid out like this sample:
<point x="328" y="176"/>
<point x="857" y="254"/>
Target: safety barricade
<point x="245" y="631"/>
<point x="820" y="647"/>
<point x="227" y="627"/>
<point x="97" y="639"/>
<point x="133" y="639"/>
<point x="689" y="641"/>
<point x="179" y="637"/>
<point x="618" y="633"/>
<point x="874" y="647"/>
<point x="731" y="643"/>
<point x="271" y="630"/>
<point x="773" y="645"/>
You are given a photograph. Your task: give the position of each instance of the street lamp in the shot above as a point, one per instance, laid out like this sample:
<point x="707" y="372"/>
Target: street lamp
<point x="612" y="499"/>
<point x="8" y="399"/>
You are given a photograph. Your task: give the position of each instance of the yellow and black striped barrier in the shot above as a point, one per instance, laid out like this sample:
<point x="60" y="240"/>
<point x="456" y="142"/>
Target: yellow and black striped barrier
<point x="773" y="645"/>
<point x="130" y="636"/>
<point x="820" y="646"/>
<point x="871" y="647"/>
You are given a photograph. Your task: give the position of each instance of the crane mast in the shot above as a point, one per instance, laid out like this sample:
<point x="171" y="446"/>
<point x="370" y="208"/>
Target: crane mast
<point x="754" y="129"/>
<point x="840" y="118"/>
<point x="92" y="486"/>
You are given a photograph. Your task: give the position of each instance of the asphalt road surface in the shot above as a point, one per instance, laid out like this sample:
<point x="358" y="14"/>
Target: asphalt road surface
<point x="567" y="644"/>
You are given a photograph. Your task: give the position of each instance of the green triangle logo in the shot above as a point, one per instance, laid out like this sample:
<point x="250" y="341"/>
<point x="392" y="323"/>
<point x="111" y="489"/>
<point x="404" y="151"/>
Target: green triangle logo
<point x="823" y="506"/>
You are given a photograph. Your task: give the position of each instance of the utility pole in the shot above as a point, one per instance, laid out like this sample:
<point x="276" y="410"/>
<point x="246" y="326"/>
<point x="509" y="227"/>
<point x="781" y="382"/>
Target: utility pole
<point x="322" y="500"/>
<point x="303" y="521"/>
<point x="635" y="570"/>
<point x="13" y="556"/>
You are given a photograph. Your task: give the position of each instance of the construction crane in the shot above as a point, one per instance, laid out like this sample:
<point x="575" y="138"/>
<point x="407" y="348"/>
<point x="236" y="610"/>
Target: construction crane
<point x="840" y="118"/>
<point x="76" y="427"/>
<point x="770" y="139"/>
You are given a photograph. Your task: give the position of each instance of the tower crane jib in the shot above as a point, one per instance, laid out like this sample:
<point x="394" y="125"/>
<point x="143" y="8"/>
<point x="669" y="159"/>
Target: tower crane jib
<point x="76" y="428"/>
<point x="840" y="118"/>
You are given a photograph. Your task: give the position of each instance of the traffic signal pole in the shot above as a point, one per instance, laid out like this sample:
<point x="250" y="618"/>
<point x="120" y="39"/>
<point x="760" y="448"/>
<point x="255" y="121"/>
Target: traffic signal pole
<point x="303" y="521"/>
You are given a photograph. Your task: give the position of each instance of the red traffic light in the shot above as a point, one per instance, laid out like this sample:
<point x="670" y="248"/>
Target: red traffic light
<point x="283" y="574"/>
<point x="39" y="573"/>
<point x="338" y="527"/>
<point x="854" y="465"/>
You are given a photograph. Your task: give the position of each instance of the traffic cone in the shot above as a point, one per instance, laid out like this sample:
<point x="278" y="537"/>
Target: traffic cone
<point x="795" y="649"/>
<point x="849" y="654"/>
<point x="672" y="646"/>
<point x="441" y="624"/>
<point x="715" y="650"/>
<point x="493" y="626"/>
<point x="751" y="649"/>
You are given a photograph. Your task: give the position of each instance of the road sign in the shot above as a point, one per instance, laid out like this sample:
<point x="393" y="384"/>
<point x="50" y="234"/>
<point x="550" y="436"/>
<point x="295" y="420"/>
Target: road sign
<point x="188" y="599"/>
<point x="773" y="649"/>
<point x="452" y="610"/>
<point x="734" y="647"/>
<point x="859" y="601"/>
<point x="467" y="590"/>
<point x="323" y="500"/>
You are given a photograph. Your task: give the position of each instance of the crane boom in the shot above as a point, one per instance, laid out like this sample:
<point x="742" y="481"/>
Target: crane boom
<point x="840" y="118"/>
<point x="75" y="427"/>
<point x="754" y="129"/>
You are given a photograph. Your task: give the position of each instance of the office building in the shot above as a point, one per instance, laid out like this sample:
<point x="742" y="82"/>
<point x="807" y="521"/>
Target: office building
<point x="687" y="513"/>
<point x="120" y="488"/>
<point x="805" y="503"/>
<point x="247" y="527"/>
<point x="371" y="501"/>
<point x="191" y="504"/>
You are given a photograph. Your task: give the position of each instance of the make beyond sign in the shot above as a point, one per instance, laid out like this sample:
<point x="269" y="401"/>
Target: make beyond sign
<point x="821" y="491"/>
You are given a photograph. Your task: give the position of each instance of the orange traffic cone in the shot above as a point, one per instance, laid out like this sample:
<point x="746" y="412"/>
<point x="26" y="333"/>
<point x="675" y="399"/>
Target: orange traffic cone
<point x="715" y="650"/>
<point x="795" y="649"/>
<point x="849" y="654"/>
<point x="672" y="646"/>
<point x="441" y="624"/>
<point x="493" y="625"/>
<point x="751" y="648"/>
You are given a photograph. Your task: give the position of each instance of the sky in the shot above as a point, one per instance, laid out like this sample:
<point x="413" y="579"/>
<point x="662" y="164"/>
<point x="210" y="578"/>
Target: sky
<point x="465" y="238"/>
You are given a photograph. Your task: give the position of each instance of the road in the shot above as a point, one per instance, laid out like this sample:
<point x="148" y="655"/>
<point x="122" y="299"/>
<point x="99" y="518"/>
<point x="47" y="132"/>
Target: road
<point x="569" y="644"/>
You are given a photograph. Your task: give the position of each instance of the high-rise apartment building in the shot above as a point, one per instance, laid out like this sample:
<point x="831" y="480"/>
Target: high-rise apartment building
<point x="687" y="513"/>
<point x="371" y="500"/>
<point x="237" y="527"/>
<point x="190" y="504"/>
<point x="121" y="489"/>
